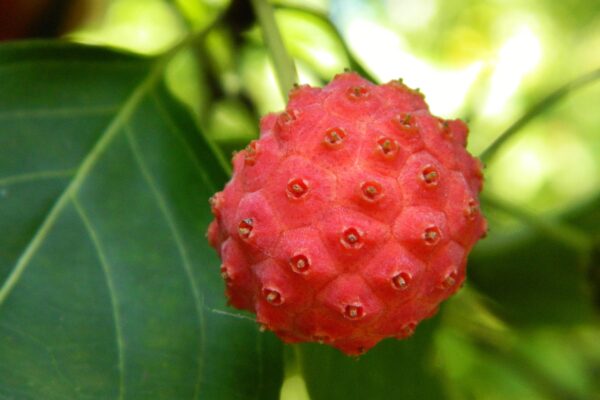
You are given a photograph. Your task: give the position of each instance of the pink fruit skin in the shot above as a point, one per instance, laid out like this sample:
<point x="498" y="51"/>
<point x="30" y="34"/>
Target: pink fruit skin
<point x="352" y="216"/>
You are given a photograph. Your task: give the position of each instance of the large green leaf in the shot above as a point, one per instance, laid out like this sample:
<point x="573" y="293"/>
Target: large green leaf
<point x="391" y="370"/>
<point x="108" y="288"/>
<point x="587" y="218"/>
<point x="531" y="278"/>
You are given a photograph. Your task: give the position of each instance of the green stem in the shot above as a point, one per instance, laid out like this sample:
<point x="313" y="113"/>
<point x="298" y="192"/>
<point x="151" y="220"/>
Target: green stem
<point x="567" y="235"/>
<point x="285" y="70"/>
<point x="537" y="109"/>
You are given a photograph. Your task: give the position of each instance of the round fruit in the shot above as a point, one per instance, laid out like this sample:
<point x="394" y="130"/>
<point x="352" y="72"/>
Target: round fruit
<point x="351" y="218"/>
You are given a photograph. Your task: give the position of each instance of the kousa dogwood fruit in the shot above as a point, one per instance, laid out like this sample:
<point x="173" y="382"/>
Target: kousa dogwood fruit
<point x="350" y="219"/>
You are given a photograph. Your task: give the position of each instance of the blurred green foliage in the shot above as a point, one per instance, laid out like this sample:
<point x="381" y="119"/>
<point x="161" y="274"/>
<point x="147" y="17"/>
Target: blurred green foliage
<point x="483" y="61"/>
<point x="525" y="327"/>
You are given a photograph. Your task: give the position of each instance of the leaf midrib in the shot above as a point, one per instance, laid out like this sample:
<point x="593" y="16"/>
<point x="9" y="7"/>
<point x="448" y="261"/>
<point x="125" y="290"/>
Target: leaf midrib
<point x="69" y="194"/>
<point x="111" y="131"/>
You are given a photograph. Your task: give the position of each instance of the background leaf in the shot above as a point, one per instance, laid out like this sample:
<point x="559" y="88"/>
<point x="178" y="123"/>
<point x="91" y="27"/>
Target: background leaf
<point x="391" y="370"/>
<point x="532" y="279"/>
<point x="531" y="269"/>
<point x="108" y="288"/>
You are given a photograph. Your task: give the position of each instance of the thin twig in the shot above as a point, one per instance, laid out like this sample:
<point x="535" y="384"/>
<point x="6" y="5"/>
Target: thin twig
<point x="568" y="235"/>
<point x="538" y="109"/>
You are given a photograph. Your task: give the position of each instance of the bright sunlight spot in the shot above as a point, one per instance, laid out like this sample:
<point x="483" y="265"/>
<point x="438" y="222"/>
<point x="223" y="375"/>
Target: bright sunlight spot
<point x="572" y="172"/>
<point x="551" y="160"/>
<point x="386" y="55"/>
<point x="519" y="55"/>
<point x="411" y="14"/>
<point x="325" y="57"/>
<point x="145" y="27"/>
<point x="520" y="171"/>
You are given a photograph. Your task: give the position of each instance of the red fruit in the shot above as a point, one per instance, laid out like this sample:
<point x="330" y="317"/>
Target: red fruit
<point x="352" y="216"/>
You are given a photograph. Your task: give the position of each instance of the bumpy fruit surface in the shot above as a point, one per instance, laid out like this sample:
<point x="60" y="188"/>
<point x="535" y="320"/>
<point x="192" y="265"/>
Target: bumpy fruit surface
<point x="351" y="218"/>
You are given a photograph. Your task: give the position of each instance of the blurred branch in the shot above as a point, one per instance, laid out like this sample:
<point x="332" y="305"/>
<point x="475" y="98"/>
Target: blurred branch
<point x="565" y="234"/>
<point x="193" y="39"/>
<point x="355" y="65"/>
<point x="283" y="63"/>
<point x="538" y="109"/>
<point x="546" y="385"/>
<point x="235" y="19"/>
<point x="471" y="316"/>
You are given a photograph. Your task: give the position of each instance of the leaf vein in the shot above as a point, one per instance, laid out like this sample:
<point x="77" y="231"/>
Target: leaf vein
<point x="179" y="242"/>
<point x="125" y="64"/>
<point x="87" y="164"/>
<point x="64" y="112"/>
<point x="188" y="148"/>
<point x="35" y="176"/>
<point x="106" y="268"/>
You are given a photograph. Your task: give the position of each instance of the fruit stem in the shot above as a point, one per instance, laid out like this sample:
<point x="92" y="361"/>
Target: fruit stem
<point x="285" y="69"/>
<point x="536" y="110"/>
<point x="294" y="384"/>
<point x="565" y="234"/>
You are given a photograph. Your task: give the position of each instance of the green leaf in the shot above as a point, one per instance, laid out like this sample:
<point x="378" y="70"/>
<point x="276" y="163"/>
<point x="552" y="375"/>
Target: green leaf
<point x="108" y="288"/>
<point x="532" y="279"/>
<point x="340" y="42"/>
<point x="587" y="218"/>
<point x="537" y="109"/>
<point x="391" y="370"/>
